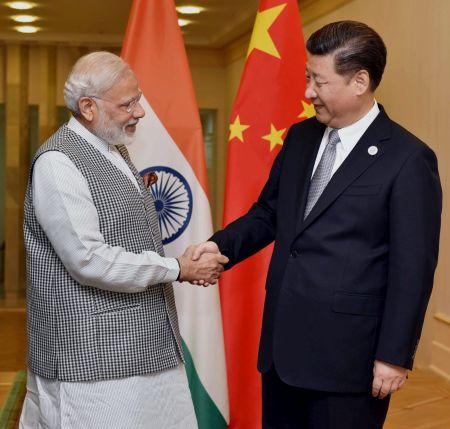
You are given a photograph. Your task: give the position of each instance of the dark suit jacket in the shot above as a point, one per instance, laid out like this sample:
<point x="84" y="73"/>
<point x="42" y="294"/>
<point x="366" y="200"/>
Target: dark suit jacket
<point x="351" y="283"/>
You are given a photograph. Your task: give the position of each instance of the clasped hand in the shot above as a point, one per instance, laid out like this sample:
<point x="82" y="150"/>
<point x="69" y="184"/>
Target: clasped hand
<point x="202" y="264"/>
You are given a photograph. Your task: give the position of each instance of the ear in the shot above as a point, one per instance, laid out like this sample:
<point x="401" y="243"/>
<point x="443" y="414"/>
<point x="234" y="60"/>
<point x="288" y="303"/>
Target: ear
<point x="87" y="107"/>
<point x="362" y="82"/>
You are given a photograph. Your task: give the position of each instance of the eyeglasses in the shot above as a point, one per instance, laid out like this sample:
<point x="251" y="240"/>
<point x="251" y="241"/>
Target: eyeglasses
<point x="128" y="107"/>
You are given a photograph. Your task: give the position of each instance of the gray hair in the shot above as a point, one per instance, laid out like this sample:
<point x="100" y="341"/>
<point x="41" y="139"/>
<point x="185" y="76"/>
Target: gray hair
<point x="93" y="74"/>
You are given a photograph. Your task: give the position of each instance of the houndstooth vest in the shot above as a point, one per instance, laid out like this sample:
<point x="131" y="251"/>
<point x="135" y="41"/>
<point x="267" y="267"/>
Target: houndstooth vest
<point x="78" y="332"/>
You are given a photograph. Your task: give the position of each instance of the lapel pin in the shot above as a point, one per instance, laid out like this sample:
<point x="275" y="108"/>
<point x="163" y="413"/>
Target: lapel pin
<point x="150" y="179"/>
<point x="373" y="150"/>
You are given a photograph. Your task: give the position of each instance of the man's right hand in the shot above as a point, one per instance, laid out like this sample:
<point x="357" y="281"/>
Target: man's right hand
<point x="206" y="268"/>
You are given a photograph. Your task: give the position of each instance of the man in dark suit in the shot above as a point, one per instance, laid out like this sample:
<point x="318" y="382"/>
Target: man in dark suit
<point x="353" y="203"/>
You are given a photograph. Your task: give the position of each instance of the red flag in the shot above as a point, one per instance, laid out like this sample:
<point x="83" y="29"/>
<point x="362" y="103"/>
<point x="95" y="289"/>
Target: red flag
<point x="269" y="100"/>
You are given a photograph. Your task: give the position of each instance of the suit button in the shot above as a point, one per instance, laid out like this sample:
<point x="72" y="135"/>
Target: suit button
<point x="295" y="254"/>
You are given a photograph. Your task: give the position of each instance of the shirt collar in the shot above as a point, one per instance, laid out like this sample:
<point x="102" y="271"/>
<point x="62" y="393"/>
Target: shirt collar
<point x="350" y="135"/>
<point x="78" y="128"/>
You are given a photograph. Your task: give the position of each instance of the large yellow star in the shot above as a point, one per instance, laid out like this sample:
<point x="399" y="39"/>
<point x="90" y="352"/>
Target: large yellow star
<point x="237" y="129"/>
<point x="275" y="137"/>
<point x="260" y="37"/>
<point x="308" y="110"/>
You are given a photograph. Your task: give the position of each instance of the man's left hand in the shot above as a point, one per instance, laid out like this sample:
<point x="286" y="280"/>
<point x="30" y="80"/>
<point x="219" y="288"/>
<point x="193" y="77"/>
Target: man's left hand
<point x="387" y="378"/>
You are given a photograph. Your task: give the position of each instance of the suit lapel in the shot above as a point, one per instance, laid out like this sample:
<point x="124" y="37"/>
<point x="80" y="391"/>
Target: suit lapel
<point x="305" y="164"/>
<point x="358" y="161"/>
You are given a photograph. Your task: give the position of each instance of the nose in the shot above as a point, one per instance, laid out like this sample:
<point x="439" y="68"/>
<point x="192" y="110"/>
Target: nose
<point x="138" y="111"/>
<point x="310" y="91"/>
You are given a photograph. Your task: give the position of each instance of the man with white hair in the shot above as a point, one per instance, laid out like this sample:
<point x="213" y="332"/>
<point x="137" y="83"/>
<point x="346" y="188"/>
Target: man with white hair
<point x="104" y="348"/>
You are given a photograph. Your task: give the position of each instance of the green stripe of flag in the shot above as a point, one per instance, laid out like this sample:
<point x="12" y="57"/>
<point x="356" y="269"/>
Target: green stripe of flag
<point x="13" y="403"/>
<point x="208" y="415"/>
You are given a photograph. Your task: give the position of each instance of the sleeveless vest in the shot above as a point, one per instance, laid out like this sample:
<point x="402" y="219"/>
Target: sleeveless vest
<point x="78" y="332"/>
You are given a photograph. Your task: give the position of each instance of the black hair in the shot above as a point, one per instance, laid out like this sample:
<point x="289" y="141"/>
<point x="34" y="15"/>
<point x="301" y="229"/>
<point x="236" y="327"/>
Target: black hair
<point x="355" y="47"/>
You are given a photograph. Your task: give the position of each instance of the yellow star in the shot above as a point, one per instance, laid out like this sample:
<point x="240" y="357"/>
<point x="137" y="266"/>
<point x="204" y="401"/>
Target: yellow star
<point x="308" y="110"/>
<point x="260" y="37"/>
<point x="275" y="137"/>
<point x="237" y="129"/>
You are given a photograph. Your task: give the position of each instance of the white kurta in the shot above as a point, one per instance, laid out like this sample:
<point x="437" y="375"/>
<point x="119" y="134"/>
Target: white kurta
<point x="154" y="401"/>
<point x="66" y="212"/>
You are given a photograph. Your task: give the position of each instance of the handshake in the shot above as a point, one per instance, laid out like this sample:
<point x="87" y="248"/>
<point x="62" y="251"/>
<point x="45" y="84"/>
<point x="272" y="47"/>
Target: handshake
<point x="201" y="264"/>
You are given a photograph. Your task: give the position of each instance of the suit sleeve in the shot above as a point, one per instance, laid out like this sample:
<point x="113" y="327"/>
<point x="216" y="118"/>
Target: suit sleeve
<point x="256" y="229"/>
<point x="414" y="225"/>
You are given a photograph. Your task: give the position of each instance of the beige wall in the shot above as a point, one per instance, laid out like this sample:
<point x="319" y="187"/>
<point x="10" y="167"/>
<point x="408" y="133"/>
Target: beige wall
<point x="415" y="92"/>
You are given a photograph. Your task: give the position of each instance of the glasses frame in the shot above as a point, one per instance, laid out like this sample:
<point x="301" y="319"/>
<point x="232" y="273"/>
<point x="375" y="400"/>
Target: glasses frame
<point x="129" y="107"/>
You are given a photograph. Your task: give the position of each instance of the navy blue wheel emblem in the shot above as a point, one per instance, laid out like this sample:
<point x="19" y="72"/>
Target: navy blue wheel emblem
<point x="173" y="202"/>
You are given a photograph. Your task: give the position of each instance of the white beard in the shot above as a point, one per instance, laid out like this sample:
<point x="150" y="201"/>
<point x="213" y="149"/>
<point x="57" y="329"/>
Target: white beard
<point x="110" y="132"/>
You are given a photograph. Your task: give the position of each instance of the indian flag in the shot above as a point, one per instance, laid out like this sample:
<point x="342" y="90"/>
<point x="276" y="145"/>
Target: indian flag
<point x="169" y="142"/>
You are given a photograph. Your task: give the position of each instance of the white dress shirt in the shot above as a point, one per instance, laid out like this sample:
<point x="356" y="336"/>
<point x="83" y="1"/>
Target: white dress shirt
<point x="349" y="137"/>
<point x="65" y="210"/>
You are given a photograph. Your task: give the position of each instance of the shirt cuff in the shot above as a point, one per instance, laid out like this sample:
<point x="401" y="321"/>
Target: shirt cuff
<point x="173" y="270"/>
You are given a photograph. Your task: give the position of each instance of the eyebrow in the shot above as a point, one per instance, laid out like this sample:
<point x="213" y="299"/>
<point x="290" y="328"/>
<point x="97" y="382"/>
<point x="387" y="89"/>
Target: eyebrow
<point x="314" y="74"/>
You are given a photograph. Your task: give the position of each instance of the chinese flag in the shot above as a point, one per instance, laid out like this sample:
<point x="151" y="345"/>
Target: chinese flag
<point x="269" y="100"/>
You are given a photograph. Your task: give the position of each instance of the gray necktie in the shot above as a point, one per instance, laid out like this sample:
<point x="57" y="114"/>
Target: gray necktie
<point x="322" y="175"/>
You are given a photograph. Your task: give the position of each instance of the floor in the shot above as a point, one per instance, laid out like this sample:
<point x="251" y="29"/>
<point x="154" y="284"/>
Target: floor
<point x="423" y="403"/>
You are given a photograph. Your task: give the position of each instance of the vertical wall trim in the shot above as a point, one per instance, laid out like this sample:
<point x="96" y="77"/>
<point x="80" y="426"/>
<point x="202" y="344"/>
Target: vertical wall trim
<point x="16" y="166"/>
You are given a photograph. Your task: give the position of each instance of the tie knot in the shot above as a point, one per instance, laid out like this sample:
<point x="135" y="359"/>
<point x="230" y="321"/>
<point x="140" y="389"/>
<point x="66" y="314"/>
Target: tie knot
<point x="333" y="137"/>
